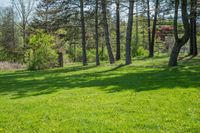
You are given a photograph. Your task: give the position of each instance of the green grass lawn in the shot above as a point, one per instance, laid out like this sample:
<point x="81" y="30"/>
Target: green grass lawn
<point x="144" y="97"/>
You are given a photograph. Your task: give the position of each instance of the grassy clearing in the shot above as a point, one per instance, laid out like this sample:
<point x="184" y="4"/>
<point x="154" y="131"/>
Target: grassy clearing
<point x="144" y="97"/>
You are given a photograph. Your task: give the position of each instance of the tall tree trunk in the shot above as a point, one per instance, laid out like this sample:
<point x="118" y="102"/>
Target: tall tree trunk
<point x="149" y="25"/>
<point x="137" y="27"/>
<point x="13" y="25"/>
<point x="118" y="50"/>
<point x="107" y="34"/>
<point x="193" y="21"/>
<point x="180" y="42"/>
<point x="60" y="59"/>
<point x="191" y="27"/>
<point x="151" y="48"/>
<point x="13" y="32"/>
<point x="97" y="33"/>
<point x="24" y="31"/>
<point x="84" y="56"/>
<point x="195" y="50"/>
<point x="129" y="32"/>
<point x="23" y="14"/>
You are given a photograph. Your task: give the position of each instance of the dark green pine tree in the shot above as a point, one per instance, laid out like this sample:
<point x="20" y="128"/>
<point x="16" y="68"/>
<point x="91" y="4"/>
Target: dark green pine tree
<point x="51" y="15"/>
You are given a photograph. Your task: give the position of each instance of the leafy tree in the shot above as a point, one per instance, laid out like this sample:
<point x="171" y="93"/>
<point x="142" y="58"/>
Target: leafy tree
<point x="10" y="50"/>
<point x="41" y="54"/>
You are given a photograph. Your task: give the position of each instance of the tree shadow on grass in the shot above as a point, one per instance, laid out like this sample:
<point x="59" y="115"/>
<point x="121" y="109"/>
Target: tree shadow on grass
<point x="25" y="84"/>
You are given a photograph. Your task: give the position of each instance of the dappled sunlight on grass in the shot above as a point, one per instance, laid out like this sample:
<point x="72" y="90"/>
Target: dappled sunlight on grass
<point x="114" y="77"/>
<point x="145" y="96"/>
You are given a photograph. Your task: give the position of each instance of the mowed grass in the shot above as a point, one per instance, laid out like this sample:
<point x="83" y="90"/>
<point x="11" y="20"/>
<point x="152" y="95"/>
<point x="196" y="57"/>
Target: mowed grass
<point x="144" y="97"/>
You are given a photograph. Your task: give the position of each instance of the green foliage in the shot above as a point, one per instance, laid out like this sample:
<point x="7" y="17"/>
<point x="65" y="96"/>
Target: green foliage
<point x="142" y="52"/>
<point x="41" y="54"/>
<point x="10" y="48"/>
<point x="143" y="97"/>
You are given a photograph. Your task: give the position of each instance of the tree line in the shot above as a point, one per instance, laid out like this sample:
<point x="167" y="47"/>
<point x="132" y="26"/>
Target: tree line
<point x="96" y="25"/>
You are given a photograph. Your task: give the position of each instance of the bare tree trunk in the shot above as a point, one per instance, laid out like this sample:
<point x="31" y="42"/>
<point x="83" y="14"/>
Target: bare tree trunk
<point x="151" y="48"/>
<point x="24" y="24"/>
<point x="180" y="42"/>
<point x="60" y="59"/>
<point x="149" y="25"/>
<point x="137" y="28"/>
<point x="193" y="21"/>
<point x="13" y="32"/>
<point x="191" y="28"/>
<point x="195" y="50"/>
<point x="24" y="35"/>
<point x="13" y="25"/>
<point x="107" y="34"/>
<point x="129" y="33"/>
<point x="84" y="56"/>
<point x="118" y="50"/>
<point x="97" y="33"/>
<point x="174" y="55"/>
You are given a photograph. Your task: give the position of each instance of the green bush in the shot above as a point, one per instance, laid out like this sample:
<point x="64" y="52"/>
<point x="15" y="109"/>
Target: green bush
<point x="41" y="54"/>
<point x="142" y="52"/>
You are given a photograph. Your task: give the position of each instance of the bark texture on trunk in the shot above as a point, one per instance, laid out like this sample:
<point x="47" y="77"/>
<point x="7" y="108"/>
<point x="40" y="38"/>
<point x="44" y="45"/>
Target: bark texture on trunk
<point x="129" y="33"/>
<point x="152" y="43"/>
<point x="107" y="34"/>
<point x="180" y="42"/>
<point x="149" y="25"/>
<point x="118" y="50"/>
<point x="60" y="59"/>
<point x="97" y="33"/>
<point x="84" y="54"/>
<point x="193" y="32"/>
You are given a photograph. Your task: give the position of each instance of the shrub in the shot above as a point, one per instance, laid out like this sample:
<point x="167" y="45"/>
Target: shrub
<point x="142" y="52"/>
<point x="41" y="54"/>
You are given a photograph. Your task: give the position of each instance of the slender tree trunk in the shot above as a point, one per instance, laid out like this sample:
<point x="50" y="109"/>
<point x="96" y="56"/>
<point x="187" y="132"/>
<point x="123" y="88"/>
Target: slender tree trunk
<point x="13" y="25"/>
<point x="137" y="28"/>
<point x="107" y="34"/>
<point x="143" y="33"/>
<point x="118" y="50"/>
<point x="129" y="32"/>
<point x="46" y="20"/>
<point x="191" y="29"/>
<point x="149" y="25"/>
<point x="180" y="42"/>
<point x="195" y="50"/>
<point x="75" y="52"/>
<point x="151" y="48"/>
<point x="97" y="33"/>
<point x="23" y="13"/>
<point x="60" y="59"/>
<point x="13" y="32"/>
<point x="102" y="47"/>
<point x="193" y="21"/>
<point x="84" y="56"/>
<point x="24" y="35"/>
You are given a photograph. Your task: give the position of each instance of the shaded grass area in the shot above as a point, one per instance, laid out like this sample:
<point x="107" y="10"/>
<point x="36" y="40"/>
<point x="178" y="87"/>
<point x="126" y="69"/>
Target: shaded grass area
<point x="144" y="97"/>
